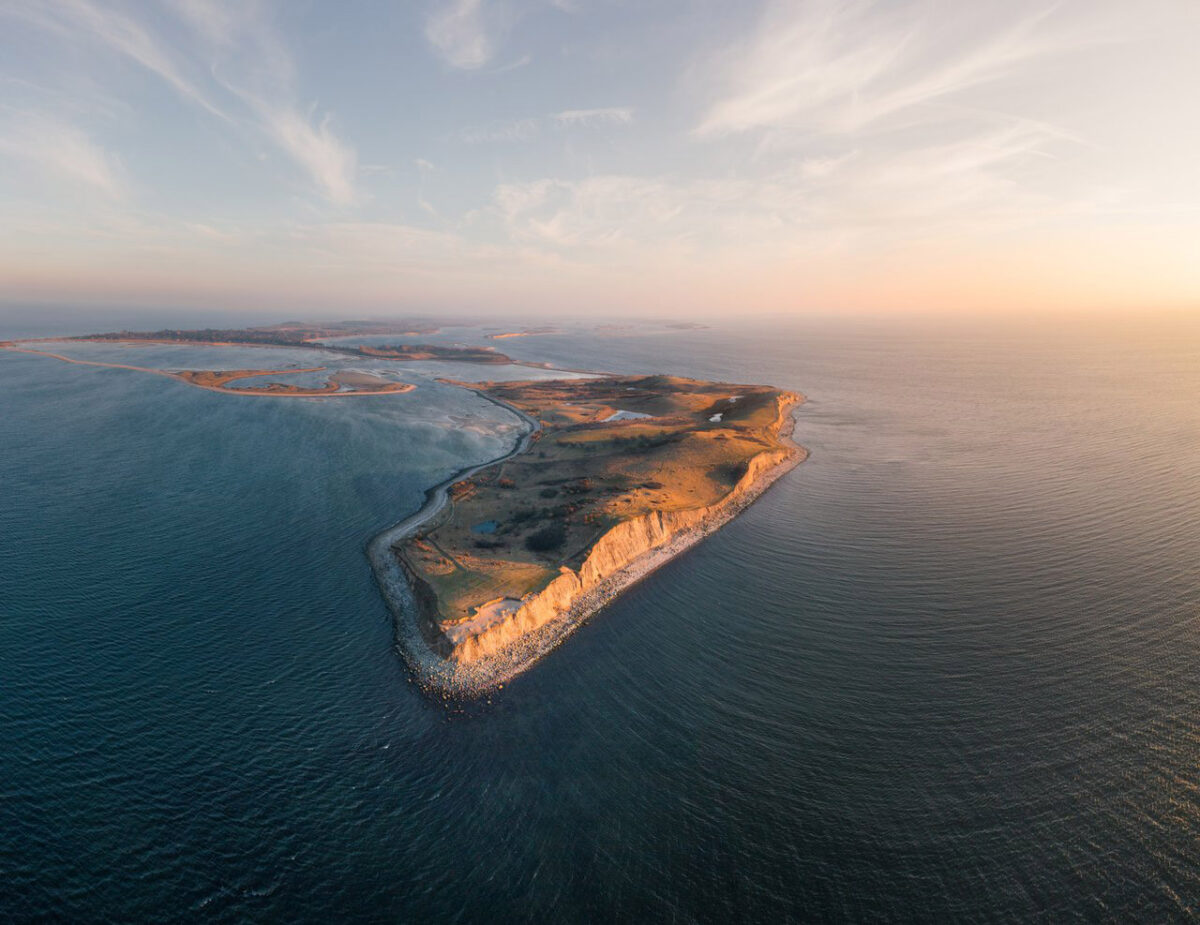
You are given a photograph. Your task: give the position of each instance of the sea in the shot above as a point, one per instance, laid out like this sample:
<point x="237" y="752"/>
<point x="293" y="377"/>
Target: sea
<point x="948" y="669"/>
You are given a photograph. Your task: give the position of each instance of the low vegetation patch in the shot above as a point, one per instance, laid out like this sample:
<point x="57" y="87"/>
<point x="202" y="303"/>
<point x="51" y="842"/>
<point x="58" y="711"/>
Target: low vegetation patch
<point x="548" y="538"/>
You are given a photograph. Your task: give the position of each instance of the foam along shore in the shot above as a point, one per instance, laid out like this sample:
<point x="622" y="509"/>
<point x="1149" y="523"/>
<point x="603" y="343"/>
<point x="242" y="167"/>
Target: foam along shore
<point x="509" y="639"/>
<point x="431" y="669"/>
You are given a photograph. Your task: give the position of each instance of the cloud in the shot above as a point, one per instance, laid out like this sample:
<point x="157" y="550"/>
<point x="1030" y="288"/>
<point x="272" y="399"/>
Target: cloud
<point x="236" y="67"/>
<point x="119" y="32"/>
<point x="218" y="23"/>
<point x="823" y="66"/>
<point x="531" y="127"/>
<point x="381" y="245"/>
<point x="619" y="115"/>
<point x="330" y="162"/>
<point x="971" y="184"/>
<point x="513" y="130"/>
<point x="62" y="152"/>
<point x="882" y="124"/>
<point x="252" y="62"/>
<point x="523" y="61"/>
<point x="466" y="34"/>
<point x="458" y="33"/>
<point x="613" y="211"/>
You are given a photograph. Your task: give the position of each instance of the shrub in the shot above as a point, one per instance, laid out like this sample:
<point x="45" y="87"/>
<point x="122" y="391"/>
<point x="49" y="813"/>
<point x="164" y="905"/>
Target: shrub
<point x="548" y="538"/>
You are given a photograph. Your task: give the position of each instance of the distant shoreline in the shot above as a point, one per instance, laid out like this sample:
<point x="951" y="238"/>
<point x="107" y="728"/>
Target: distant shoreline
<point x="194" y="378"/>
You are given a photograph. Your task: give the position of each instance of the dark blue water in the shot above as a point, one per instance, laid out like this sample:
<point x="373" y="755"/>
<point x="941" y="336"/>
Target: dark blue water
<point x="945" y="669"/>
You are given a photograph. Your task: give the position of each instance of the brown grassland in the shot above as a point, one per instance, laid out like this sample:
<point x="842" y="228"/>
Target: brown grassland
<point x="509" y="529"/>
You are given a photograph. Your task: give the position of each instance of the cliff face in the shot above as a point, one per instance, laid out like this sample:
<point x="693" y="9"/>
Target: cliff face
<point x="621" y="547"/>
<point x="427" y="609"/>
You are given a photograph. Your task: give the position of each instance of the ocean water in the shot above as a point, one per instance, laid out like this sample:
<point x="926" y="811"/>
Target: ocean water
<point x="946" y="669"/>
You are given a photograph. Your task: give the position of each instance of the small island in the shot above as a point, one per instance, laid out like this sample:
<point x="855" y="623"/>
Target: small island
<point x="614" y="476"/>
<point x="524" y="332"/>
<point x="342" y="383"/>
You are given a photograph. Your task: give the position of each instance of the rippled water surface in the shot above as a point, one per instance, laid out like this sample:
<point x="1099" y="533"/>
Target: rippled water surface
<point x="946" y="668"/>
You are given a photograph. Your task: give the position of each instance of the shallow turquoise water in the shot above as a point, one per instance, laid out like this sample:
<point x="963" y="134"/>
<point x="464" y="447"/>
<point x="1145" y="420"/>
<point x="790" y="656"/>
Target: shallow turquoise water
<point x="947" y="668"/>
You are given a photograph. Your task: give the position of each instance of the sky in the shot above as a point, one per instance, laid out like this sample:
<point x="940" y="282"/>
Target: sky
<point x="624" y="157"/>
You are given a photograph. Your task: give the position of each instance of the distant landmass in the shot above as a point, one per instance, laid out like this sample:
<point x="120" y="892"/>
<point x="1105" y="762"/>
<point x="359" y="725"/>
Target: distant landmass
<point x="309" y="336"/>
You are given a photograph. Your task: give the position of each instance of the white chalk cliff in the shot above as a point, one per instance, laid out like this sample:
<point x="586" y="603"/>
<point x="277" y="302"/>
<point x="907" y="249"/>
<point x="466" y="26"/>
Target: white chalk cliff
<point x="626" y="553"/>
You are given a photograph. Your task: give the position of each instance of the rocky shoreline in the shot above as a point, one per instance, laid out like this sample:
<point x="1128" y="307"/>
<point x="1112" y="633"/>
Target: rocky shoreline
<point x="394" y="581"/>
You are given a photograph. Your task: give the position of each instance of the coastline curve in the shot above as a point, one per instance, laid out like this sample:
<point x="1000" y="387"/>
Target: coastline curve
<point x="431" y="670"/>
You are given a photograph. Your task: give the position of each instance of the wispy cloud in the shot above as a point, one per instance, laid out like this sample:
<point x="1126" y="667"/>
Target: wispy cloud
<point x="467" y="34"/>
<point x="234" y="57"/>
<point x="523" y="61"/>
<point x="871" y="120"/>
<point x="458" y="32"/>
<point x="218" y="23"/>
<point x="330" y="162"/>
<point x="111" y="27"/>
<point x="600" y="211"/>
<point x="619" y="115"/>
<point x="61" y="152"/>
<point x="840" y="66"/>
<point x="513" y="130"/>
<point x="251" y="61"/>
<point x="972" y="183"/>
<point x="531" y="127"/>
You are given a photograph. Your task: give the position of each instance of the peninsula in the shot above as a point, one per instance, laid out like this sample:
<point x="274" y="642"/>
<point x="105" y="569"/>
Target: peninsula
<point x="613" y="477"/>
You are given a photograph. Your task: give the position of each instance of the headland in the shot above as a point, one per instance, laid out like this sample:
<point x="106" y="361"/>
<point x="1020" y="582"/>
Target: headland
<point x="613" y="477"/>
